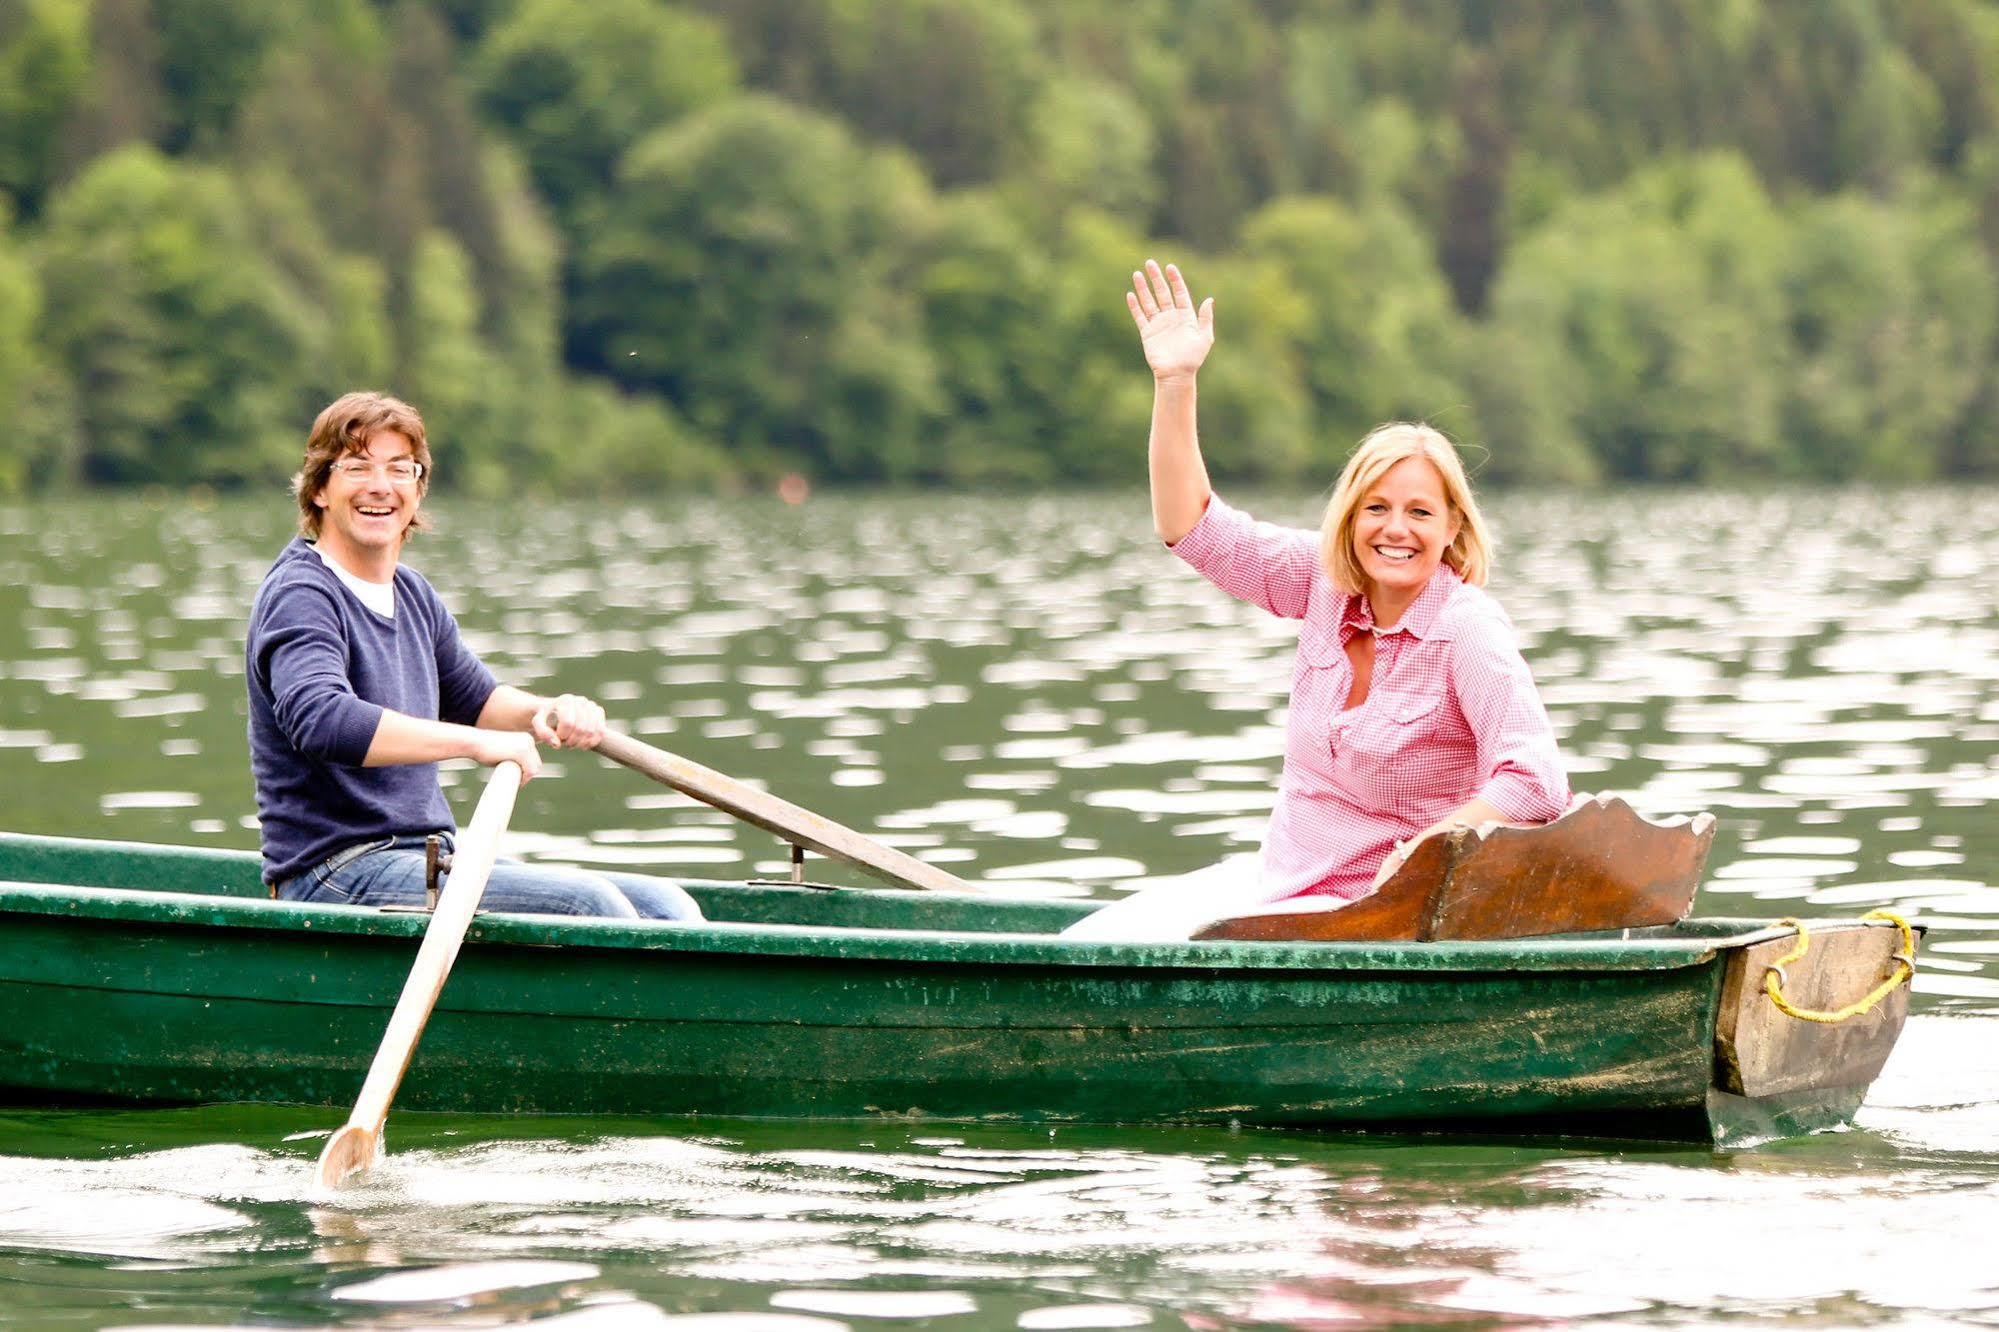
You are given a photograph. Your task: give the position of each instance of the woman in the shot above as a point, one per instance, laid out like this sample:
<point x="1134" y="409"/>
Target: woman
<point x="1412" y="712"/>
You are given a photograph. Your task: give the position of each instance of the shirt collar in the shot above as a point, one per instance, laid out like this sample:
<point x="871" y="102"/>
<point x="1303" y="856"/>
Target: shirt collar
<point x="1421" y="617"/>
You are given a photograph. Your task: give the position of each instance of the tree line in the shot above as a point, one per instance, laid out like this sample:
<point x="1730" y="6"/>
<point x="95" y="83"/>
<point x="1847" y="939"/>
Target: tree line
<point x="636" y="244"/>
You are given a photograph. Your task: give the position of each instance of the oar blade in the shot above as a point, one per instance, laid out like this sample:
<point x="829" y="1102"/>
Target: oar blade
<point x="348" y="1152"/>
<point x="356" y="1146"/>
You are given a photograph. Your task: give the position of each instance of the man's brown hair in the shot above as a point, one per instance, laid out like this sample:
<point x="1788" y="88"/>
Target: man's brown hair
<point x="345" y="428"/>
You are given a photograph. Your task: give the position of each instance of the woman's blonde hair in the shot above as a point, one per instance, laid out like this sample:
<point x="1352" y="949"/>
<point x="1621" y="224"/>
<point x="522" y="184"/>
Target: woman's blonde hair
<point x="1470" y="552"/>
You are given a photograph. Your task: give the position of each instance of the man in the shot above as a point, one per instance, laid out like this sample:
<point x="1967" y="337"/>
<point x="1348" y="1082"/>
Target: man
<point x="359" y="685"/>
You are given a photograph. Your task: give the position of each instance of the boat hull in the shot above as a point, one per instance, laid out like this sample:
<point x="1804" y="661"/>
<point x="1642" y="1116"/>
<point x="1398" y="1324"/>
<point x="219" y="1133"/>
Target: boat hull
<point x="132" y="995"/>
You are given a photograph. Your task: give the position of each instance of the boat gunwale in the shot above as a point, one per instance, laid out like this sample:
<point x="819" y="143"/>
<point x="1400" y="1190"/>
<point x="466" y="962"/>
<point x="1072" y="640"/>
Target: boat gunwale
<point x="931" y="946"/>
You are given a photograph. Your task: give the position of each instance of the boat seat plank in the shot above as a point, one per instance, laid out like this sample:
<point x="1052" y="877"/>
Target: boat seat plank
<point x="1600" y="866"/>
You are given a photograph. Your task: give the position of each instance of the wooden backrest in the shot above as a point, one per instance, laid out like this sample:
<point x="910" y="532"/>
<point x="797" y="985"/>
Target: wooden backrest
<point x="1600" y="866"/>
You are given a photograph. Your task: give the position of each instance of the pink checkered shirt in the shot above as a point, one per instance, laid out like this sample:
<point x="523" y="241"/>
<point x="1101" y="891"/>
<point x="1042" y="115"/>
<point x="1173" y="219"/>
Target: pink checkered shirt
<point x="1451" y="712"/>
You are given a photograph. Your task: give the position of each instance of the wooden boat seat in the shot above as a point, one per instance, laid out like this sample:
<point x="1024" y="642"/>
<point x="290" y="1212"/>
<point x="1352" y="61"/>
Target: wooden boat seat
<point x="1600" y="866"/>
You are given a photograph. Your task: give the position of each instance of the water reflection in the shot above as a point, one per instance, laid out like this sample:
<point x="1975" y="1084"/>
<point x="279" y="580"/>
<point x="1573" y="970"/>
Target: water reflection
<point x="862" y="1225"/>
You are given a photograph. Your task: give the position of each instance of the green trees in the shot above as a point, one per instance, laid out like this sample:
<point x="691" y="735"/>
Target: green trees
<point x="1696" y="330"/>
<point x="953" y="81"/>
<point x="576" y="86"/>
<point x="44" y="60"/>
<point x="1377" y="335"/>
<point x="645" y="243"/>
<point x="191" y="356"/>
<point x="20" y="305"/>
<point x="751" y="267"/>
<point x="1891" y="317"/>
<point x="1658" y="307"/>
<point x="999" y="372"/>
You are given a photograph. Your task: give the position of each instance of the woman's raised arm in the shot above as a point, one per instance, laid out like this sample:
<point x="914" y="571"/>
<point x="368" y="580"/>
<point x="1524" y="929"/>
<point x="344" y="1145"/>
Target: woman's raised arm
<point x="1176" y="339"/>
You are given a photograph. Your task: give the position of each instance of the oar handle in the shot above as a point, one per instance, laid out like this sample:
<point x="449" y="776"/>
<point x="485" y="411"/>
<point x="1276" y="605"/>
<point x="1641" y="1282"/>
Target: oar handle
<point x="354" y="1146"/>
<point x="801" y="827"/>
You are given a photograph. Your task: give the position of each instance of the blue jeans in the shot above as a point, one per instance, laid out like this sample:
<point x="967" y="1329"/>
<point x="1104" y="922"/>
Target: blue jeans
<point x="390" y="872"/>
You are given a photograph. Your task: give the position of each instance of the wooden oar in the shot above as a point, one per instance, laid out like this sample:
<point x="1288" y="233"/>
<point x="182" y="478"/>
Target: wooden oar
<point x="800" y="827"/>
<point x="355" y="1146"/>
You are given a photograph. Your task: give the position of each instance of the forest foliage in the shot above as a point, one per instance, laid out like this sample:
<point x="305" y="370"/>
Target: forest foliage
<point x="623" y="245"/>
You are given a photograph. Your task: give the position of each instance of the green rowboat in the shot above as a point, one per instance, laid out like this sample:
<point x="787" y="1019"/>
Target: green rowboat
<point x="144" y="974"/>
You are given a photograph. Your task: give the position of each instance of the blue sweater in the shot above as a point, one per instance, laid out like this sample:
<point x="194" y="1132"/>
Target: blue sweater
<point x="321" y="668"/>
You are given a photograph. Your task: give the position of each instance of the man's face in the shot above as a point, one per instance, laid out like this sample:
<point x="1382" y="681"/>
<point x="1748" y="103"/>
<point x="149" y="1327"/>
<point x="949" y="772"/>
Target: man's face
<point x="364" y="510"/>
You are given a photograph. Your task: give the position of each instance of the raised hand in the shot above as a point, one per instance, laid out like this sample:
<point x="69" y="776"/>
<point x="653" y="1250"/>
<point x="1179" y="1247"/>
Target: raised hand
<point x="1176" y="337"/>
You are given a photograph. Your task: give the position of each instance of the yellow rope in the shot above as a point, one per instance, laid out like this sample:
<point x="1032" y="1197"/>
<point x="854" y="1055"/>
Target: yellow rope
<point x="1905" y="970"/>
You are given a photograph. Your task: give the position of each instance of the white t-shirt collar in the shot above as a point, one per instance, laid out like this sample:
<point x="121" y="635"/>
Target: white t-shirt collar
<point x="377" y="597"/>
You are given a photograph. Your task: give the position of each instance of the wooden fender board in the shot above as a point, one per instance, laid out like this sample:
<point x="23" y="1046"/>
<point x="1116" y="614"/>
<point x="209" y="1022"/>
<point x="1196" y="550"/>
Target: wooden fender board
<point x="1760" y="1050"/>
<point x="1600" y="866"/>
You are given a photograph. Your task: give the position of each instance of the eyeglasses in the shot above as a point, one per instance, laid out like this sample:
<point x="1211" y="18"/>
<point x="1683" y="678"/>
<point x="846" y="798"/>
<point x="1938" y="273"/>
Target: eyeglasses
<point x="403" y="471"/>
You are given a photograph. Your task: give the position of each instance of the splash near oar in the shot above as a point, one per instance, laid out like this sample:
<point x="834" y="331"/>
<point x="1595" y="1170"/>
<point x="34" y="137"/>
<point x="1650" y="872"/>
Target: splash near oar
<point x="359" y="1143"/>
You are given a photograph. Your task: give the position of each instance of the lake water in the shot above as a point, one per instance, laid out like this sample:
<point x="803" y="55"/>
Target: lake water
<point x="1032" y="694"/>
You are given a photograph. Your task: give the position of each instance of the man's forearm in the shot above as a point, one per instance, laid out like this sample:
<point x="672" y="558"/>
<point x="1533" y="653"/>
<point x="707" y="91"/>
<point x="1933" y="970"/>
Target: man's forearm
<point x="401" y="738"/>
<point x="510" y="709"/>
<point x="568" y="721"/>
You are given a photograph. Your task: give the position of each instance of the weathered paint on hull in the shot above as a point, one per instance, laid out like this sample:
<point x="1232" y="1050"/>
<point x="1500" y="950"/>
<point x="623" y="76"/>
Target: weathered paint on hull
<point x="170" y="997"/>
<point x="720" y="1035"/>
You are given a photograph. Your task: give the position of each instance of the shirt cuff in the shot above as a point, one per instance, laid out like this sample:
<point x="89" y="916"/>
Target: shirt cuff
<point x="482" y="692"/>
<point x="1523" y="799"/>
<point x="355" y="733"/>
<point x="1208" y="536"/>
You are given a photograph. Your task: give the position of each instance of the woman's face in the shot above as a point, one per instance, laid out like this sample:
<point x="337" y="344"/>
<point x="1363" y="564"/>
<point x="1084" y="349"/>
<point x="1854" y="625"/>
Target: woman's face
<point x="1401" y="531"/>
